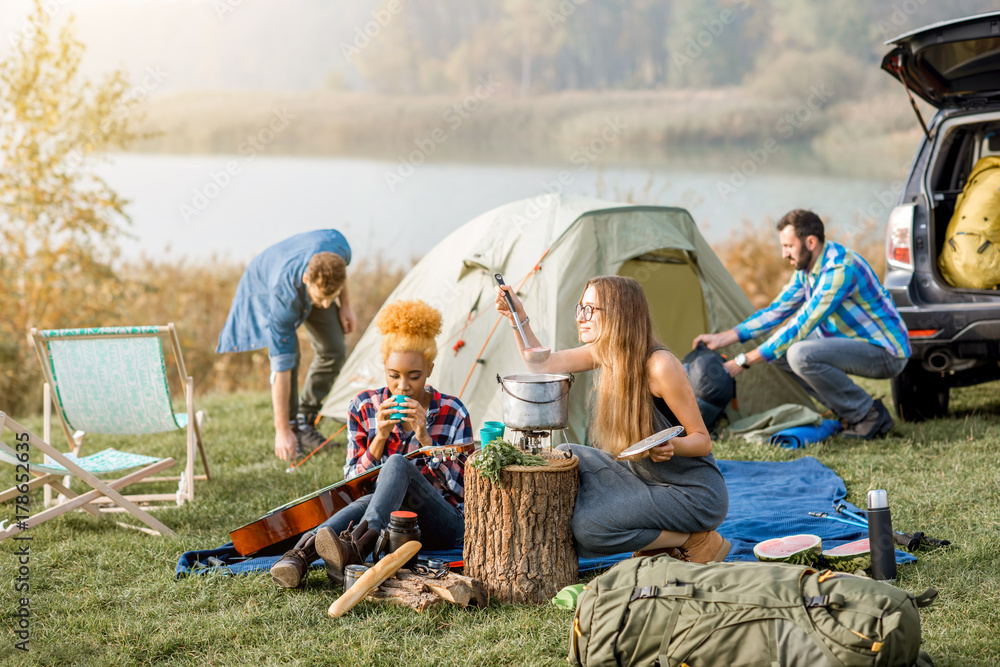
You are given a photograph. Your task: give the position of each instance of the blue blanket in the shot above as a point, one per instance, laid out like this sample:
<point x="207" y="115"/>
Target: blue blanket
<point x="766" y="500"/>
<point x="773" y="499"/>
<point x="800" y="436"/>
<point x="197" y="562"/>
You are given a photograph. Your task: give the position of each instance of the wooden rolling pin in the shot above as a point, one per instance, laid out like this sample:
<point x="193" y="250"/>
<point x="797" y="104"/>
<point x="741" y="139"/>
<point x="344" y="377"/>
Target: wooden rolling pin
<point x="371" y="579"/>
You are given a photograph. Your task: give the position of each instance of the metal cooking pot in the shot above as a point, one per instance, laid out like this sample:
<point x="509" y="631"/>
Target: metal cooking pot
<point x="535" y="402"/>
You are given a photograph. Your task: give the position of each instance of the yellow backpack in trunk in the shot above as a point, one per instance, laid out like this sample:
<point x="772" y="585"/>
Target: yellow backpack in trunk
<point x="970" y="256"/>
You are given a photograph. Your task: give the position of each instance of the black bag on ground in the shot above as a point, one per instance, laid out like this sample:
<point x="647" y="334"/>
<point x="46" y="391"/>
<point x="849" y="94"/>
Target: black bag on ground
<point x="661" y="611"/>
<point x="713" y="387"/>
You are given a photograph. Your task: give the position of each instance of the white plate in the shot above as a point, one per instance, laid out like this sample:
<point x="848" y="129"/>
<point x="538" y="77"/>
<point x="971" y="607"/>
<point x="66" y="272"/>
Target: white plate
<point x="652" y="441"/>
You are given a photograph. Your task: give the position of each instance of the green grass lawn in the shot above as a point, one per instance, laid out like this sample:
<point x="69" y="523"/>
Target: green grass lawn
<point x="101" y="595"/>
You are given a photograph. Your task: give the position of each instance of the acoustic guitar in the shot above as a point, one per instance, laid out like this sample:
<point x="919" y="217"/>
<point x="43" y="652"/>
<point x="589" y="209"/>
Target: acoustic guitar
<point x="309" y="511"/>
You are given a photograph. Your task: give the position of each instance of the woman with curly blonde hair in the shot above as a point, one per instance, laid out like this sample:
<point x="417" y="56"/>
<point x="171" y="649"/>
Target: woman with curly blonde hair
<point x="381" y="433"/>
<point x="669" y="499"/>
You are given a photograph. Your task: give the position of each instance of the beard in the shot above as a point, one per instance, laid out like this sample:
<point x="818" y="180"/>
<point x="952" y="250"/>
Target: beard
<point x="802" y="263"/>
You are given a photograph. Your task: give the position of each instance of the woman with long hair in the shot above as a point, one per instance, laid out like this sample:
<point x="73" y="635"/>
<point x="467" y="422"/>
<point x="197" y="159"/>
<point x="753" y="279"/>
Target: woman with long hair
<point x="668" y="499"/>
<point x="381" y="432"/>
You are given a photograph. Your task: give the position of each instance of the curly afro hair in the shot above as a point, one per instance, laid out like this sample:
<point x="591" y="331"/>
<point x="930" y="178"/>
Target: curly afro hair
<point x="409" y="326"/>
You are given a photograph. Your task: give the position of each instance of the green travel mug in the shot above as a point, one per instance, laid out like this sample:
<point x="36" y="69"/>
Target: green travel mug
<point x="400" y="400"/>
<point x="496" y="426"/>
<point x="489" y="434"/>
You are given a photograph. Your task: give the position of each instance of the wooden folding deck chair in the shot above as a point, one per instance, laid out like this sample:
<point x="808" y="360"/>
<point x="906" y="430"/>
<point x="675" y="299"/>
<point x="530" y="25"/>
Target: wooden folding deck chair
<point x="114" y="381"/>
<point x="16" y="451"/>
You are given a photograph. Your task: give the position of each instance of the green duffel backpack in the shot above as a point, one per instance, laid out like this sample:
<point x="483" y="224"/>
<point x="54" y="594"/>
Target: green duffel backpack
<point x="661" y="611"/>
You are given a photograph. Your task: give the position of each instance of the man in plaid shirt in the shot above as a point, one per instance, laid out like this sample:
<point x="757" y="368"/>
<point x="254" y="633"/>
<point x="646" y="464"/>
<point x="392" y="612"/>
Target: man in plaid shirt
<point x="838" y="319"/>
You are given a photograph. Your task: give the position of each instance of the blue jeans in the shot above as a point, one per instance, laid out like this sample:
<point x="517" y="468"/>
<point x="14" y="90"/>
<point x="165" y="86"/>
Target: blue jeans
<point x="402" y="487"/>
<point x="821" y="366"/>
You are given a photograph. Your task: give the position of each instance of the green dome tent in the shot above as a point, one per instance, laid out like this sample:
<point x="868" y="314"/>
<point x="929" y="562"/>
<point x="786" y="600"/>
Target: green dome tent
<point x="548" y="247"/>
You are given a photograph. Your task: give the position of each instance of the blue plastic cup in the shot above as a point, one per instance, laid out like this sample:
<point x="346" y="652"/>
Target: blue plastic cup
<point x="496" y="425"/>
<point x="489" y="434"/>
<point x="400" y="400"/>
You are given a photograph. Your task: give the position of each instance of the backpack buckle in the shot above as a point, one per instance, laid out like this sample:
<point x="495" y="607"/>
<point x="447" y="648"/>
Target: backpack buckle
<point x="643" y="593"/>
<point x="835" y="601"/>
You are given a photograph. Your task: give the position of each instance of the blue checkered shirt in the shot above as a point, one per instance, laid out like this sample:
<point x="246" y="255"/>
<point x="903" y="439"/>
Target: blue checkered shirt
<point x="840" y="298"/>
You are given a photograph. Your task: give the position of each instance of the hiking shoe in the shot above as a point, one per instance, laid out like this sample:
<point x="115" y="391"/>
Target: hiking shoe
<point x="704" y="547"/>
<point x="351" y="547"/>
<point x="673" y="552"/>
<point x="308" y="437"/>
<point x="876" y="423"/>
<point x="291" y="567"/>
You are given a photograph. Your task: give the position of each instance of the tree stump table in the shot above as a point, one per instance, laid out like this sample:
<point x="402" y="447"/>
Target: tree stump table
<point x="518" y="539"/>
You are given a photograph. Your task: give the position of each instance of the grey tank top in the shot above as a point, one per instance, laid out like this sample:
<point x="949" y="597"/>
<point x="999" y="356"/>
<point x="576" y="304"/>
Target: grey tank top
<point x="679" y="470"/>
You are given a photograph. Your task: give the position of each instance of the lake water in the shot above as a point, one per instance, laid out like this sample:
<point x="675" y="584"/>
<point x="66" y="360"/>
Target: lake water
<point x="229" y="206"/>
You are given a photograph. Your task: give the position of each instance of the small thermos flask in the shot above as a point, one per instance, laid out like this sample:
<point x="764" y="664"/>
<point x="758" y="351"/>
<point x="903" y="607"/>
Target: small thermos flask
<point x="880" y="541"/>
<point x="402" y="528"/>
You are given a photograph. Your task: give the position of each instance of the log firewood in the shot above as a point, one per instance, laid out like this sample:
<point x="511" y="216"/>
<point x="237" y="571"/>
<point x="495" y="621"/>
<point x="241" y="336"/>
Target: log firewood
<point x="454" y="588"/>
<point x="370" y="580"/>
<point x="413" y="594"/>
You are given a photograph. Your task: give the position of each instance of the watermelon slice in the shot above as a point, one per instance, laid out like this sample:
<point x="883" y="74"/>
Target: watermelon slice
<point x="849" y="557"/>
<point x="796" y="549"/>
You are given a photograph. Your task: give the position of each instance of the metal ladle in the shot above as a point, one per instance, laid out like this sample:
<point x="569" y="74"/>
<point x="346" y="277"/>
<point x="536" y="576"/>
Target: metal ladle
<point x="535" y="355"/>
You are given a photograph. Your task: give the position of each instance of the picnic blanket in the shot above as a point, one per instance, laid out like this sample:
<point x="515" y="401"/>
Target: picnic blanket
<point x="800" y="436"/>
<point x="773" y="499"/>
<point x="197" y="562"/>
<point x="766" y="500"/>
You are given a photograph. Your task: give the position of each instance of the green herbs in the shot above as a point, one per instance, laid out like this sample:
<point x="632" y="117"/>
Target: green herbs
<point x="498" y="454"/>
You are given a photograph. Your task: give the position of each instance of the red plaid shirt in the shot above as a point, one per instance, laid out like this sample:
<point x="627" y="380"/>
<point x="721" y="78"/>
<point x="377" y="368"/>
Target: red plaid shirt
<point x="448" y="423"/>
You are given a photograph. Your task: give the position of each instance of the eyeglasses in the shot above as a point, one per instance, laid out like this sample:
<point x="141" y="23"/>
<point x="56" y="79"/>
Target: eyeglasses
<point x="585" y="313"/>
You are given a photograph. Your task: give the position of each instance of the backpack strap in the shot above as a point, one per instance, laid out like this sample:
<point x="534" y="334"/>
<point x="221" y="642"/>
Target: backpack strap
<point x="926" y="598"/>
<point x="678" y="589"/>
<point x="836" y="601"/>
<point x="671" y="590"/>
<point x="668" y="634"/>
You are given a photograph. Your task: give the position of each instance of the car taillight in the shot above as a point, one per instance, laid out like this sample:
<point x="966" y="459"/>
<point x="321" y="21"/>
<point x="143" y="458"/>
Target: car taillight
<point x="899" y="237"/>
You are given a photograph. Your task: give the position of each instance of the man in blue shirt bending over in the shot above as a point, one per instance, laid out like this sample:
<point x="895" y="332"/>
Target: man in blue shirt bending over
<point x="840" y="320"/>
<point x="299" y="281"/>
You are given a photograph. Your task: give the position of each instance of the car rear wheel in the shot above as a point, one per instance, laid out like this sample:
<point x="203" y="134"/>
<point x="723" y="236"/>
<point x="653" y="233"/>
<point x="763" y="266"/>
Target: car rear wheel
<point x="917" y="396"/>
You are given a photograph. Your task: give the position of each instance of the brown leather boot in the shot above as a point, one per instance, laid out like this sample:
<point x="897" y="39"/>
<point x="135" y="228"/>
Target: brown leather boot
<point x="291" y="567"/>
<point x="351" y="547"/>
<point x="673" y="552"/>
<point x="705" y="547"/>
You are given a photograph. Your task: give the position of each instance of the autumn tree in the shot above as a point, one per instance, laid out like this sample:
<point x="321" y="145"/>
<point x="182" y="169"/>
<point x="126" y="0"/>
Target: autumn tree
<point x="59" y="221"/>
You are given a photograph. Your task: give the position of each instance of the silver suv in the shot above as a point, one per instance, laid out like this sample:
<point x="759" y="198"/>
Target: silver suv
<point x="954" y="332"/>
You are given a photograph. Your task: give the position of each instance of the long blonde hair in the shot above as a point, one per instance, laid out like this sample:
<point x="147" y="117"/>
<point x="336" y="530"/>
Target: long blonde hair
<point x="623" y="405"/>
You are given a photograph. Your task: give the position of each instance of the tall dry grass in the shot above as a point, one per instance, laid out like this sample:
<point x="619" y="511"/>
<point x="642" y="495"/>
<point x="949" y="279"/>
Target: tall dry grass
<point x="752" y="255"/>
<point x="874" y="136"/>
<point x="196" y="297"/>
<point x="497" y="125"/>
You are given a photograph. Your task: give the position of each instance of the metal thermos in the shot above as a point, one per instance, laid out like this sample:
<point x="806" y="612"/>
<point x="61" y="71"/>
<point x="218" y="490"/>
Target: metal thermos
<point x="402" y="528"/>
<point x="880" y="541"/>
<point x="351" y="575"/>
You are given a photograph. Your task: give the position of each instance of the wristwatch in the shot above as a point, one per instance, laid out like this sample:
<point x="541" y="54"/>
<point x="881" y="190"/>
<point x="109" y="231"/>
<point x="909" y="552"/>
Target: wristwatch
<point x="740" y="360"/>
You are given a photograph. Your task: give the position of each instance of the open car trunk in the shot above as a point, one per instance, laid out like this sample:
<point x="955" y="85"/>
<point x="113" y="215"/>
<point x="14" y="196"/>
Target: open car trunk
<point x="961" y="143"/>
<point x="950" y="64"/>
